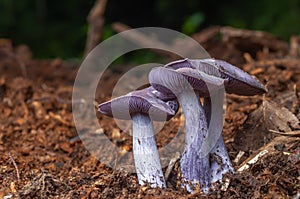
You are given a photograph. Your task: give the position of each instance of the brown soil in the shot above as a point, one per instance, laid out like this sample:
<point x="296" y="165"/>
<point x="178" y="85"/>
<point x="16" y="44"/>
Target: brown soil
<point x="41" y="155"/>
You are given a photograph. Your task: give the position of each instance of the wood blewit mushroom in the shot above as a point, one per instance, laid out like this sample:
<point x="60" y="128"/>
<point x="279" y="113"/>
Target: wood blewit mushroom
<point x="143" y="107"/>
<point x="237" y="82"/>
<point x="188" y="84"/>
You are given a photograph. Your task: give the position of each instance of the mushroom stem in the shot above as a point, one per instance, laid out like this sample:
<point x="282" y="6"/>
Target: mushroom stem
<point x="145" y="153"/>
<point x="220" y="161"/>
<point x="194" y="168"/>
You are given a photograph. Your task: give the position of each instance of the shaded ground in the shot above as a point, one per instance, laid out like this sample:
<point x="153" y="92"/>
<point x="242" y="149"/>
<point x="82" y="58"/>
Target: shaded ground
<point x="42" y="157"/>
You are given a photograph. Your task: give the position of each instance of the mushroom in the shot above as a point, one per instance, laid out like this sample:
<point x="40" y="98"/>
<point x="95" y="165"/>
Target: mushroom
<point x="236" y="82"/>
<point x="188" y="84"/>
<point x="143" y="107"/>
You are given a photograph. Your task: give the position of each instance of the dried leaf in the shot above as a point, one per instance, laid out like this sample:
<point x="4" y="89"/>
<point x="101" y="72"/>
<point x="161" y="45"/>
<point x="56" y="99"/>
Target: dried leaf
<point x="255" y="132"/>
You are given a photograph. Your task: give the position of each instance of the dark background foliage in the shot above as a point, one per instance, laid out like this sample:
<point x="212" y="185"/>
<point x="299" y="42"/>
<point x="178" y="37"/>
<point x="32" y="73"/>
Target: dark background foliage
<point x="58" y="28"/>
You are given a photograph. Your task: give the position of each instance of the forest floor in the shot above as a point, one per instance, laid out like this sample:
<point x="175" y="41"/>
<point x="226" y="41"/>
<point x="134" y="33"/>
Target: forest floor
<point x="41" y="155"/>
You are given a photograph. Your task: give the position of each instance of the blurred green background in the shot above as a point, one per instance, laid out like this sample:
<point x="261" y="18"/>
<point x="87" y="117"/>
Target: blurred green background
<point x="53" y="28"/>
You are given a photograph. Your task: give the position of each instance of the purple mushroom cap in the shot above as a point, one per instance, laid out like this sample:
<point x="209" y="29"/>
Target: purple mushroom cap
<point x="169" y="81"/>
<point x="140" y="102"/>
<point x="238" y="81"/>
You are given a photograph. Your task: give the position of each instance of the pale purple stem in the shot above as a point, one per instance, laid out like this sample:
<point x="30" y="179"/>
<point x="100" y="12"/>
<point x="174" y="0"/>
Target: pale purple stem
<point x="220" y="160"/>
<point x="194" y="168"/>
<point x="145" y="153"/>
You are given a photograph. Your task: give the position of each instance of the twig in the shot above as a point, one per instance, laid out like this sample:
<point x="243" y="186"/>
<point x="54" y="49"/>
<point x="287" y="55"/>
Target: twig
<point x="269" y="148"/>
<point x="6" y="50"/>
<point x="96" y="22"/>
<point x="146" y="40"/>
<point x="22" y="66"/>
<point x="174" y="49"/>
<point x="247" y="163"/>
<point x="290" y="133"/>
<point x="138" y="37"/>
<point x="171" y="165"/>
<point x="15" y="165"/>
<point x="295" y="46"/>
<point x="238" y="157"/>
<point x="296" y="103"/>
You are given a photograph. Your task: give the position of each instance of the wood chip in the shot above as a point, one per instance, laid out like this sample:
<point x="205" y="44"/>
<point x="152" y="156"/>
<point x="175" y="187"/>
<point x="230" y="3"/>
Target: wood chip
<point x="65" y="146"/>
<point x="59" y="119"/>
<point x="246" y="165"/>
<point x="238" y="157"/>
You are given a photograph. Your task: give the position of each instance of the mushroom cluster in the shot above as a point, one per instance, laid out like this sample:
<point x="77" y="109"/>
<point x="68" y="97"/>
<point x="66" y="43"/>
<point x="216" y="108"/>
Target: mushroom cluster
<point x="187" y="81"/>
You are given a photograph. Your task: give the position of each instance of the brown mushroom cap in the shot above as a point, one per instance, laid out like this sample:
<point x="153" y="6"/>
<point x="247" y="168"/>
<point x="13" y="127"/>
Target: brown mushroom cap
<point x="139" y="102"/>
<point x="238" y="81"/>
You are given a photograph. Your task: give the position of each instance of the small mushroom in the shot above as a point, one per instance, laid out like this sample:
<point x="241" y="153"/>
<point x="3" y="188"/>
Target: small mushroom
<point x="236" y="82"/>
<point x="143" y="107"/>
<point x="188" y="84"/>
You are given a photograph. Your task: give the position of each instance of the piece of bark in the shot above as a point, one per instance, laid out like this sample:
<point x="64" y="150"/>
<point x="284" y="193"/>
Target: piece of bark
<point x="208" y="34"/>
<point x="252" y="41"/>
<point x="290" y="100"/>
<point x="288" y="62"/>
<point x="218" y="48"/>
<point x="269" y="116"/>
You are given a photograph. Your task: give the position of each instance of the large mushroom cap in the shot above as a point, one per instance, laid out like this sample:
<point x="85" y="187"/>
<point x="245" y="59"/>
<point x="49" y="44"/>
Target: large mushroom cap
<point x="167" y="80"/>
<point x="238" y="81"/>
<point x="139" y="102"/>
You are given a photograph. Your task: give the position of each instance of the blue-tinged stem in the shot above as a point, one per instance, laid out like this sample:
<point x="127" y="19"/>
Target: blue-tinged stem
<point x="146" y="157"/>
<point x="220" y="160"/>
<point x="194" y="168"/>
